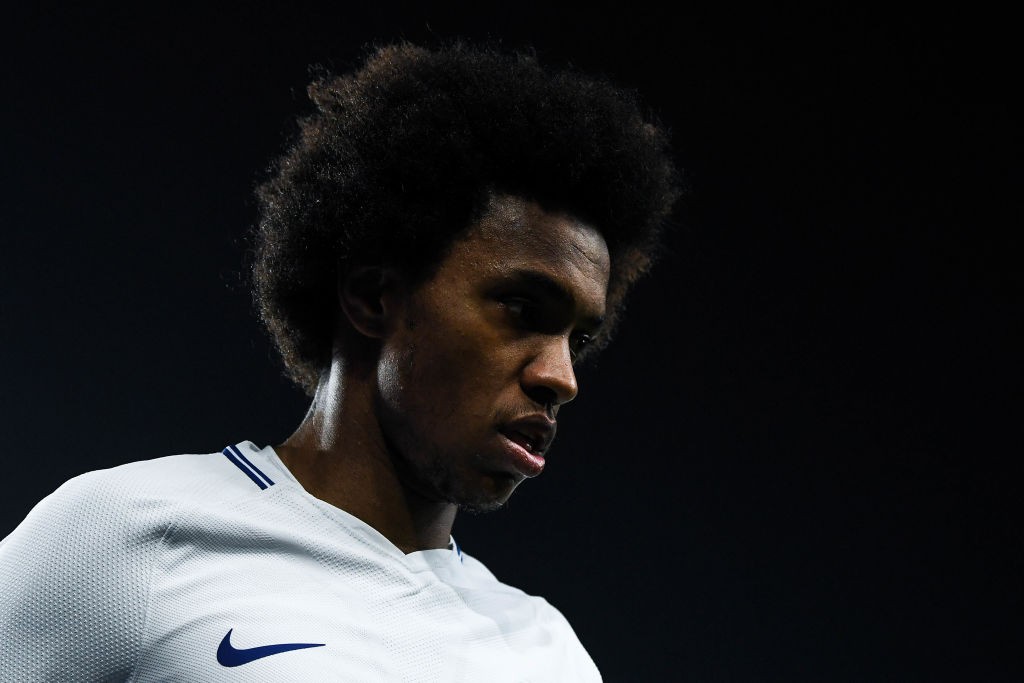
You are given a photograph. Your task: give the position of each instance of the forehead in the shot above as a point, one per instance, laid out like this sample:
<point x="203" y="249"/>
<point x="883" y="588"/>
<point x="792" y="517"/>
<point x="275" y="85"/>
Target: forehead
<point x="517" y="234"/>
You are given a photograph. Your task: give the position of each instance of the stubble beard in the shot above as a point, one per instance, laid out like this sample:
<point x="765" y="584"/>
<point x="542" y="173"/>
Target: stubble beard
<point x="433" y="476"/>
<point x="428" y="472"/>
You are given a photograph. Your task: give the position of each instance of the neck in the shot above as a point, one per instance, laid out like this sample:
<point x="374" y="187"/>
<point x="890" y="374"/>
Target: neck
<point x="339" y="455"/>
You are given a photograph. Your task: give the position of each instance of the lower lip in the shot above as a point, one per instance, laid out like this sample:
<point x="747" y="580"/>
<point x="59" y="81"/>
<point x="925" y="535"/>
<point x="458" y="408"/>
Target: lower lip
<point x="526" y="463"/>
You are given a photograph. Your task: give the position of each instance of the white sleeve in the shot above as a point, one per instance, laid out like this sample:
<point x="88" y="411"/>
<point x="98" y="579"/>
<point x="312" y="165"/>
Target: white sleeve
<point x="74" y="581"/>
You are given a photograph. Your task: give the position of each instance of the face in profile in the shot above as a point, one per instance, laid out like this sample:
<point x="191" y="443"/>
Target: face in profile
<point x="473" y="373"/>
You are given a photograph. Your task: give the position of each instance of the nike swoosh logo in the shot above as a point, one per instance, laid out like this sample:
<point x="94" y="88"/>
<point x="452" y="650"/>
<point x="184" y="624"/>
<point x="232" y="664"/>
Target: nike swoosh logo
<point x="228" y="655"/>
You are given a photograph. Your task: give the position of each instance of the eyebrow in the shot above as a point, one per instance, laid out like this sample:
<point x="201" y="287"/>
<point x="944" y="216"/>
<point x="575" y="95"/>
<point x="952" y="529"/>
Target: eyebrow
<point x="551" y="288"/>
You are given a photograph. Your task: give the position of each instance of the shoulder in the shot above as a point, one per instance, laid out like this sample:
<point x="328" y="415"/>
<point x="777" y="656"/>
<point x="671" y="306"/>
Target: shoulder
<point x="134" y="504"/>
<point x="530" y="623"/>
<point x="81" y="561"/>
<point x="509" y="597"/>
<point x="151" y="489"/>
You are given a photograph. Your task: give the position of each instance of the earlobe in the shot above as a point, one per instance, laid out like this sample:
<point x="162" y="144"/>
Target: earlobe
<point x="368" y="297"/>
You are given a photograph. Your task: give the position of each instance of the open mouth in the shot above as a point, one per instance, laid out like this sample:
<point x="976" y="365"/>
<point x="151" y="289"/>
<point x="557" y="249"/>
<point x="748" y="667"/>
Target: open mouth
<point x="525" y="453"/>
<point x="529" y="443"/>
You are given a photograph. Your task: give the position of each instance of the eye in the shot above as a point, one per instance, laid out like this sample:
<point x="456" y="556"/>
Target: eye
<point x="522" y="309"/>
<point x="579" y="343"/>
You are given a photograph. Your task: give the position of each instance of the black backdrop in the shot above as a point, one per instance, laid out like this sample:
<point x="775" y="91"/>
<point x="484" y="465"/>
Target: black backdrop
<point x="797" y="463"/>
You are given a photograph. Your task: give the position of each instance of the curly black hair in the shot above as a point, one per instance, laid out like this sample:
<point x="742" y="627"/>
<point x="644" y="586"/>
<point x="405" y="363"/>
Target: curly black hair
<point x="400" y="158"/>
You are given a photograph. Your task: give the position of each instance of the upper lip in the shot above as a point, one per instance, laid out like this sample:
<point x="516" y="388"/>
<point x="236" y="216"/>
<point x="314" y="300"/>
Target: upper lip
<point x="538" y="429"/>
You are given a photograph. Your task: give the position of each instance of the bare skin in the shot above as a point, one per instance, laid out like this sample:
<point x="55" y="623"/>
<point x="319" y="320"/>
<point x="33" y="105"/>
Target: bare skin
<point x="458" y="406"/>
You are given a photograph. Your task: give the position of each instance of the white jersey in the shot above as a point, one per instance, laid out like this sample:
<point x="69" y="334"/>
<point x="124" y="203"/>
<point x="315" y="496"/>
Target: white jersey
<point x="221" y="567"/>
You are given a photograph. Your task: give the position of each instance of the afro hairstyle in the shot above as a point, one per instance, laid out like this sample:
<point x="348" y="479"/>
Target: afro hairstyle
<point x="401" y="156"/>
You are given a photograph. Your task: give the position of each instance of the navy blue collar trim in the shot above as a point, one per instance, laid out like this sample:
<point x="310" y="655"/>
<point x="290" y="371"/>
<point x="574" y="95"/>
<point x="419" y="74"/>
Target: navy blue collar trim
<point x="251" y="471"/>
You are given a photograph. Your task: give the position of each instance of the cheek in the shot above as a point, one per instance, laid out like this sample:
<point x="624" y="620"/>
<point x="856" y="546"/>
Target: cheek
<point x="423" y="374"/>
<point x="393" y="377"/>
<point x="442" y="371"/>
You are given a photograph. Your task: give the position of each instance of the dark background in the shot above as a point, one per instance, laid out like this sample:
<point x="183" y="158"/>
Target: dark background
<point x="801" y="459"/>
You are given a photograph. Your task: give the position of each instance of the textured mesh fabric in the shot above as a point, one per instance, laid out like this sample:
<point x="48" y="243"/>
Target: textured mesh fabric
<point x="145" y="572"/>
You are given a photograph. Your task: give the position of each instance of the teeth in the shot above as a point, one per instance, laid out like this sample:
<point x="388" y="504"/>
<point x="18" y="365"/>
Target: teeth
<point x="525" y="441"/>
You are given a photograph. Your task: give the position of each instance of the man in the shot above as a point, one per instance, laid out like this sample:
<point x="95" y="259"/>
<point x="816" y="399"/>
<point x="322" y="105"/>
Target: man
<point x="450" y="233"/>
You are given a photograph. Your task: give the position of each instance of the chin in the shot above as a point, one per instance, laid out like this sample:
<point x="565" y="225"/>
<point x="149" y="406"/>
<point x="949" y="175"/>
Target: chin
<point x="493" y="497"/>
<point x="479" y="508"/>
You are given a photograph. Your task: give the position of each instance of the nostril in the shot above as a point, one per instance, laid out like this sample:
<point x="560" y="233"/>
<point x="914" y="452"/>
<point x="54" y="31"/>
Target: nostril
<point x="542" y="395"/>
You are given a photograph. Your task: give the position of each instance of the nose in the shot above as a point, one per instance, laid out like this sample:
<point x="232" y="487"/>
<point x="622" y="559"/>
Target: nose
<point x="549" y="378"/>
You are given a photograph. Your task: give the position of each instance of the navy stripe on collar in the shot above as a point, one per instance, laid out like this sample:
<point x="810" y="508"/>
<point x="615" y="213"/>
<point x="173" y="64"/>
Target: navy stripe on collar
<point x="251" y="471"/>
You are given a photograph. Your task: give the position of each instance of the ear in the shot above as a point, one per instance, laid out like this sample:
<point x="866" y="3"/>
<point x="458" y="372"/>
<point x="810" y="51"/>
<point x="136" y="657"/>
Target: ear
<point x="370" y="297"/>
